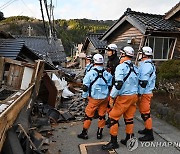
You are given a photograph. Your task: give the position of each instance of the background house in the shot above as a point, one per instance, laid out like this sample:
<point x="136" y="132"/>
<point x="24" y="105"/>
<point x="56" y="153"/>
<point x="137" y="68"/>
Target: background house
<point x="93" y="44"/>
<point x="173" y="14"/>
<point x="138" y="29"/>
<point x="17" y="50"/>
<point x="53" y="52"/>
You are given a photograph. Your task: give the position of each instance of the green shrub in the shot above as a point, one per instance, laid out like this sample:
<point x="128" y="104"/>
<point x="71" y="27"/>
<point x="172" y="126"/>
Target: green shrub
<point x="169" y="70"/>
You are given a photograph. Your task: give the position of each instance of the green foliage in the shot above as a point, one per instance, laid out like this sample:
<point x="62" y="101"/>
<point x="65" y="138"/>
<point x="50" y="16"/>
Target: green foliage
<point x="75" y="30"/>
<point x="169" y="70"/>
<point x="17" y="18"/>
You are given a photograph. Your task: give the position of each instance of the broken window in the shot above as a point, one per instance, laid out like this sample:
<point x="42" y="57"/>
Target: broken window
<point x="162" y="47"/>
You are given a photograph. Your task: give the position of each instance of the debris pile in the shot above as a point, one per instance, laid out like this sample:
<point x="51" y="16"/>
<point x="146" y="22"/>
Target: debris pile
<point x="75" y="106"/>
<point x="46" y="114"/>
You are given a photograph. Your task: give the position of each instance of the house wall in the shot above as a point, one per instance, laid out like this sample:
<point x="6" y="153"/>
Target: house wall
<point x="128" y="32"/>
<point x="124" y="33"/>
<point x="91" y="49"/>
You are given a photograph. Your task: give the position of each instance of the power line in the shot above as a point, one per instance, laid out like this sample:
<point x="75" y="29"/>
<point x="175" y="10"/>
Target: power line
<point x="49" y="15"/>
<point x="43" y="19"/>
<point x="28" y="7"/>
<point x="7" y="4"/>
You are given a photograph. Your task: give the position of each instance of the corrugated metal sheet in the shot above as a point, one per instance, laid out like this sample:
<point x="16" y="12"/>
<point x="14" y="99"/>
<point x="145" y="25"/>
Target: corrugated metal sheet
<point x="10" y="48"/>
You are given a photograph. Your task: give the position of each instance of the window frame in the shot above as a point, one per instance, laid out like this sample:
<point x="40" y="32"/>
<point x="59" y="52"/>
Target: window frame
<point x="162" y="46"/>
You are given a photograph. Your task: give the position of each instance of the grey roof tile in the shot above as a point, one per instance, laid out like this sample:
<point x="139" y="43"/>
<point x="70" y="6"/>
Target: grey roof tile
<point x="40" y="45"/>
<point x="95" y="40"/>
<point x="153" y="21"/>
<point x="147" y="22"/>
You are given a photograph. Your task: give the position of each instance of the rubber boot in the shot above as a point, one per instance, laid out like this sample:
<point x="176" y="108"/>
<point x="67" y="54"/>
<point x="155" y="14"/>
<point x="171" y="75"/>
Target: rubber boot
<point x="128" y="136"/>
<point x="83" y="135"/>
<point x="148" y="136"/>
<point x="144" y="131"/>
<point x="113" y="144"/>
<point x="99" y="133"/>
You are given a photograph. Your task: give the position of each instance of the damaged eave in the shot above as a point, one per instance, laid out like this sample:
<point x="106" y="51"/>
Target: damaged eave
<point x="172" y="11"/>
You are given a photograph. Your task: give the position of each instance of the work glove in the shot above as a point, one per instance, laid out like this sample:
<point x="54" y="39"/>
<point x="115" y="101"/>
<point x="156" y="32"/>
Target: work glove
<point x="111" y="102"/>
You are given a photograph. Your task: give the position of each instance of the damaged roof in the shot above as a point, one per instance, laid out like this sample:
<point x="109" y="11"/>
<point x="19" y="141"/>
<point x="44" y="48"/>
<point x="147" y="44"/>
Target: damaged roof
<point x="40" y="45"/>
<point x="15" y="49"/>
<point x="95" y="40"/>
<point x="145" y="22"/>
<point x="10" y="48"/>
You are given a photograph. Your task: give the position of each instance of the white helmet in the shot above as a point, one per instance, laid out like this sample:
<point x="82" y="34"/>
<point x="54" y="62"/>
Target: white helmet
<point x="89" y="57"/>
<point x="129" y="51"/>
<point x="98" y="59"/>
<point x="147" y="51"/>
<point x="112" y="47"/>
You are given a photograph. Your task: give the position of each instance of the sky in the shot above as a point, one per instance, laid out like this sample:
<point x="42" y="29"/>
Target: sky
<point x="90" y="9"/>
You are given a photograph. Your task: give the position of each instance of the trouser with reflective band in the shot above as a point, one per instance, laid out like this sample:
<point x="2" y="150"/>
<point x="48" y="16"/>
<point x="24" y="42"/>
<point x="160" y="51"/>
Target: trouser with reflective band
<point x="144" y="109"/>
<point x="93" y="104"/>
<point x="124" y="105"/>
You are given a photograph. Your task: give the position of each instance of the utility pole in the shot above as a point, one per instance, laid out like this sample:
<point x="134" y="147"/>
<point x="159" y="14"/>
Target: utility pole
<point x="51" y="7"/>
<point x="29" y="30"/>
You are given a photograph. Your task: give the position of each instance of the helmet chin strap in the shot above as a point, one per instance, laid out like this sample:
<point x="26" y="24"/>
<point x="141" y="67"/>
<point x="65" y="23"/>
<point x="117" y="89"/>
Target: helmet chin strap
<point x="121" y="57"/>
<point x="142" y="56"/>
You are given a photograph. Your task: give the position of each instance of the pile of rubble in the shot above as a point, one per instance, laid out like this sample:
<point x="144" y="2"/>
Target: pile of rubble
<point x="44" y="116"/>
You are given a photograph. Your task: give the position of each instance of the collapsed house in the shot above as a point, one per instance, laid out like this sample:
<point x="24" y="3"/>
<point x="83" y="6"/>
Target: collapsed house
<point x="20" y="83"/>
<point x="51" y="51"/>
<point x="16" y="49"/>
<point x="25" y="76"/>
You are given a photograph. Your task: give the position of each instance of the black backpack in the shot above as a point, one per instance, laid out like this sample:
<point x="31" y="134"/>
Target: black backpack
<point x="130" y="71"/>
<point x="152" y="66"/>
<point x="100" y="75"/>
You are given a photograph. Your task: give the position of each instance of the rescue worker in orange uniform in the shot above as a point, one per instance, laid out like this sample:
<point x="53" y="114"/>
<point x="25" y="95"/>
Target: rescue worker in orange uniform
<point x="96" y="85"/>
<point x="113" y="61"/>
<point x="147" y="77"/>
<point x="123" y="98"/>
